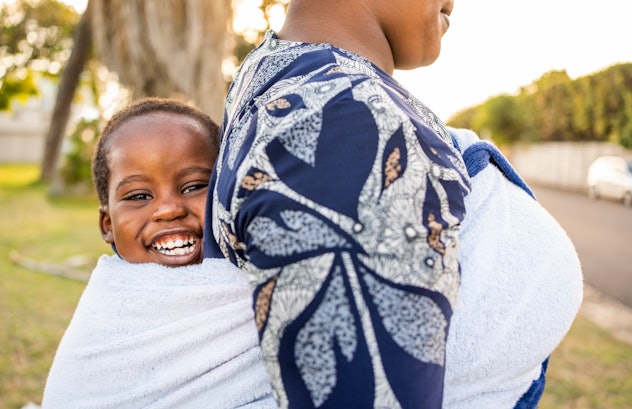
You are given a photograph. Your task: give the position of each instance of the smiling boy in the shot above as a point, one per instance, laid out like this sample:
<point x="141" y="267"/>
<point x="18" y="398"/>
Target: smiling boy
<point x="156" y="325"/>
<point x="151" y="171"/>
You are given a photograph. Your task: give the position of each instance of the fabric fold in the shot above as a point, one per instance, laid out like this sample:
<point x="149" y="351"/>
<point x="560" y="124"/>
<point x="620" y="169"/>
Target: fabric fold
<point x="521" y="288"/>
<point x="150" y="336"/>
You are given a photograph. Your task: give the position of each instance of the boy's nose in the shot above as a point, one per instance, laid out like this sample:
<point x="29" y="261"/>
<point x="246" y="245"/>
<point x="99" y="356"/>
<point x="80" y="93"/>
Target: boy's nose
<point x="171" y="208"/>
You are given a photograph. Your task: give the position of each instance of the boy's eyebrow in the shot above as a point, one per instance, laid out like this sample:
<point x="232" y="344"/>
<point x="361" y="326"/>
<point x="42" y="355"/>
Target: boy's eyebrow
<point x="193" y="169"/>
<point x="130" y="179"/>
<point x="143" y="178"/>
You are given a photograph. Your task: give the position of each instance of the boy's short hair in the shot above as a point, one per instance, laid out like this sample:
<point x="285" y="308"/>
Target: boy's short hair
<point x="138" y="108"/>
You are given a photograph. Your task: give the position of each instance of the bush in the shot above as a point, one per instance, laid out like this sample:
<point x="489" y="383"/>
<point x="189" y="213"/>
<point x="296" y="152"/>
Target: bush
<point x="76" y="167"/>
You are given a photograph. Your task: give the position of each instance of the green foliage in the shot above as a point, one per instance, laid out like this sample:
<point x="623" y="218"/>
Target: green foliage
<point x="242" y="48"/>
<point x="625" y="138"/>
<point x="76" y="168"/>
<point x="17" y="175"/>
<point x="596" y="107"/>
<point x="552" y="106"/>
<point x="464" y="118"/>
<point x="246" y="42"/>
<point x="37" y="30"/>
<point x="35" y="36"/>
<point x="500" y="119"/>
<point x="16" y="86"/>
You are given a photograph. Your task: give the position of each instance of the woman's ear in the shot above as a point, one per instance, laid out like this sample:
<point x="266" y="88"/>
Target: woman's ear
<point x="105" y="224"/>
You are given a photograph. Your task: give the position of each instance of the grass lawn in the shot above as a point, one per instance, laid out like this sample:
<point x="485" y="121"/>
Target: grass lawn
<point x="35" y="308"/>
<point x="590" y="369"/>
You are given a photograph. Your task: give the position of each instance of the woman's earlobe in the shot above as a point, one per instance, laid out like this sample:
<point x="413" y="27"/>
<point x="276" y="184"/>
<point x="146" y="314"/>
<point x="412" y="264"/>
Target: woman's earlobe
<point x="105" y="224"/>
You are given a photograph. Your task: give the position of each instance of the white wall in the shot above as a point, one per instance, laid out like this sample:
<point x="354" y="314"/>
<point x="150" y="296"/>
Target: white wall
<point x="22" y="141"/>
<point x="560" y="164"/>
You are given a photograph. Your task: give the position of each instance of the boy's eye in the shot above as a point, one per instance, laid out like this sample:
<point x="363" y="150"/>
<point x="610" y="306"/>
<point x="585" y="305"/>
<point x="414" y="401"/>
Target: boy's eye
<point x="195" y="187"/>
<point x="137" y="197"/>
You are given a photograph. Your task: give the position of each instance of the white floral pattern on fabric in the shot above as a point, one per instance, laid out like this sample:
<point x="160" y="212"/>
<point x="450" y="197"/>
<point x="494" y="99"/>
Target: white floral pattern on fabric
<point x="332" y="322"/>
<point x="415" y="322"/>
<point x="305" y="233"/>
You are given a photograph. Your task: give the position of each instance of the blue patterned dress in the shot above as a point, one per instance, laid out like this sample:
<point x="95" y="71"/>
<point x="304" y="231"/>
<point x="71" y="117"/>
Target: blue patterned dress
<point x="341" y="196"/>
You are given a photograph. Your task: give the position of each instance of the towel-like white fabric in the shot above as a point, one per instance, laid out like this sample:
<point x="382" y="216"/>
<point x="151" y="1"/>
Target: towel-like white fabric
<point x="150" y="336"/>
<point x="521" y="287"/>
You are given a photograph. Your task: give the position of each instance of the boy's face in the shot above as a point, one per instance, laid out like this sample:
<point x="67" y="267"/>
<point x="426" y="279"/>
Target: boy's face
<point x="160" y="165"/>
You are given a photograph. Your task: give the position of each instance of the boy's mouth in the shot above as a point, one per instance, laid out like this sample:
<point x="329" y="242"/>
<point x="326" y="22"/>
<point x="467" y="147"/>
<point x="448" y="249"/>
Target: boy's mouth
<point x="175" y="245"/>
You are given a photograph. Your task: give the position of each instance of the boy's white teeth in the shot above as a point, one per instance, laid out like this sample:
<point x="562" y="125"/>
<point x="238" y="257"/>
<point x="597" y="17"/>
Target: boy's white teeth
<point x="177" y="247"/>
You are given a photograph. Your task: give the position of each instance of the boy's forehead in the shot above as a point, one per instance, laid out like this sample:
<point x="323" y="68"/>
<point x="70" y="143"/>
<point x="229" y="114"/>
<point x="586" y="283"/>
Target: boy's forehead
<point x="156" y="123"/>
<point x="158" y="117"/>
<point x="173" y="134"/>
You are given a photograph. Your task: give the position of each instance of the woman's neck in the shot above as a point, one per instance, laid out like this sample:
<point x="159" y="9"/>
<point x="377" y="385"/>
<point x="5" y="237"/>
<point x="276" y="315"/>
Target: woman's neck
<point x="344" y="24"/>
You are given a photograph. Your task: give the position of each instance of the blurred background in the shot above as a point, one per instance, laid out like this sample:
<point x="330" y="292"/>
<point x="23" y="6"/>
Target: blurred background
<point x="550" y="83"/>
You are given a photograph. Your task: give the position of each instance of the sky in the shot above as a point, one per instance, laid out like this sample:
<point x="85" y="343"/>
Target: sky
<point x="496" y="46"/>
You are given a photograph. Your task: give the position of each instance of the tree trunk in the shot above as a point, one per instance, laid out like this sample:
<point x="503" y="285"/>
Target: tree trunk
<point x="79" y="55"/>
<point x="166" y="48"/>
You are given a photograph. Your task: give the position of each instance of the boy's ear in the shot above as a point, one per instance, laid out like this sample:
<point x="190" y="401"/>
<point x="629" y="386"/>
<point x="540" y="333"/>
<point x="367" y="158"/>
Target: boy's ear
<point x="105" y="224"/>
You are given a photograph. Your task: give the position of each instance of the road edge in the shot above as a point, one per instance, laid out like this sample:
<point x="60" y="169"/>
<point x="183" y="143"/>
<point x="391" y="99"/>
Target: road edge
<point x="608" y="313"/>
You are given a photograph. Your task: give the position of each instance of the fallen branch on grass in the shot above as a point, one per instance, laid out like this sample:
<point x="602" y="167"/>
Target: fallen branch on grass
<point x="59" y="270"/>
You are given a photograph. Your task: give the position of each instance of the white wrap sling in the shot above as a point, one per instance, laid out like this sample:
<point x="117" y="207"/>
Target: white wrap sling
<point x="521" y="287"/>
<point x="150" y="336"/>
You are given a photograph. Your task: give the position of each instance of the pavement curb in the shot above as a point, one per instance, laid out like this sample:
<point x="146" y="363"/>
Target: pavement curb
<point x="608" y="313"/>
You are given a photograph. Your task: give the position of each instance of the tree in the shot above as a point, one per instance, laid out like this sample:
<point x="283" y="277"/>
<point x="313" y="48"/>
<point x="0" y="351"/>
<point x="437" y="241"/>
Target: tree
<point x="35" y="40"/>
<point x="596" y="107"/>
<point x="160" y="48"/>
<point x="166" y="48"/>
<point x="82" y="39"/>
<point x="169" y="48"/>
<point x="553" y="106"/>
<point x="464" y="118"/>
<point x="500" y="118"/>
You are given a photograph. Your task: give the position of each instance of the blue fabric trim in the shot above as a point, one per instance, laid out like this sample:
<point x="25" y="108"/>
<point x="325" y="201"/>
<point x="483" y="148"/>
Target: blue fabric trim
<point x="455" y="141"/>
<point x="478" y="155"/>
<point x="115" y="252"/>
<point x="532" y="396"/>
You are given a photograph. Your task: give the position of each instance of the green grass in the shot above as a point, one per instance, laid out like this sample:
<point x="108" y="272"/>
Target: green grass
<point x="590" y="369"/>
<point x="18" y="175"/>
<point x="35" y="308"/>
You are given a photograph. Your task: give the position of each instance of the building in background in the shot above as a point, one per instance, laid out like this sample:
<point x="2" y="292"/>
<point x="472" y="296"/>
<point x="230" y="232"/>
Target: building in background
<point x="23" y="128"/>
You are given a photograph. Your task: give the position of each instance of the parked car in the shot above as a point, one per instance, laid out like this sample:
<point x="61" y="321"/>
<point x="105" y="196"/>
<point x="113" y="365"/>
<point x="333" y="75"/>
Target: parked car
<point x="611" y="177"/>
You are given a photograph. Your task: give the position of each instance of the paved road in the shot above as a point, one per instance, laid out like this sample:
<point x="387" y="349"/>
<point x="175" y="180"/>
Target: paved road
<point x="602" y="233"/>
